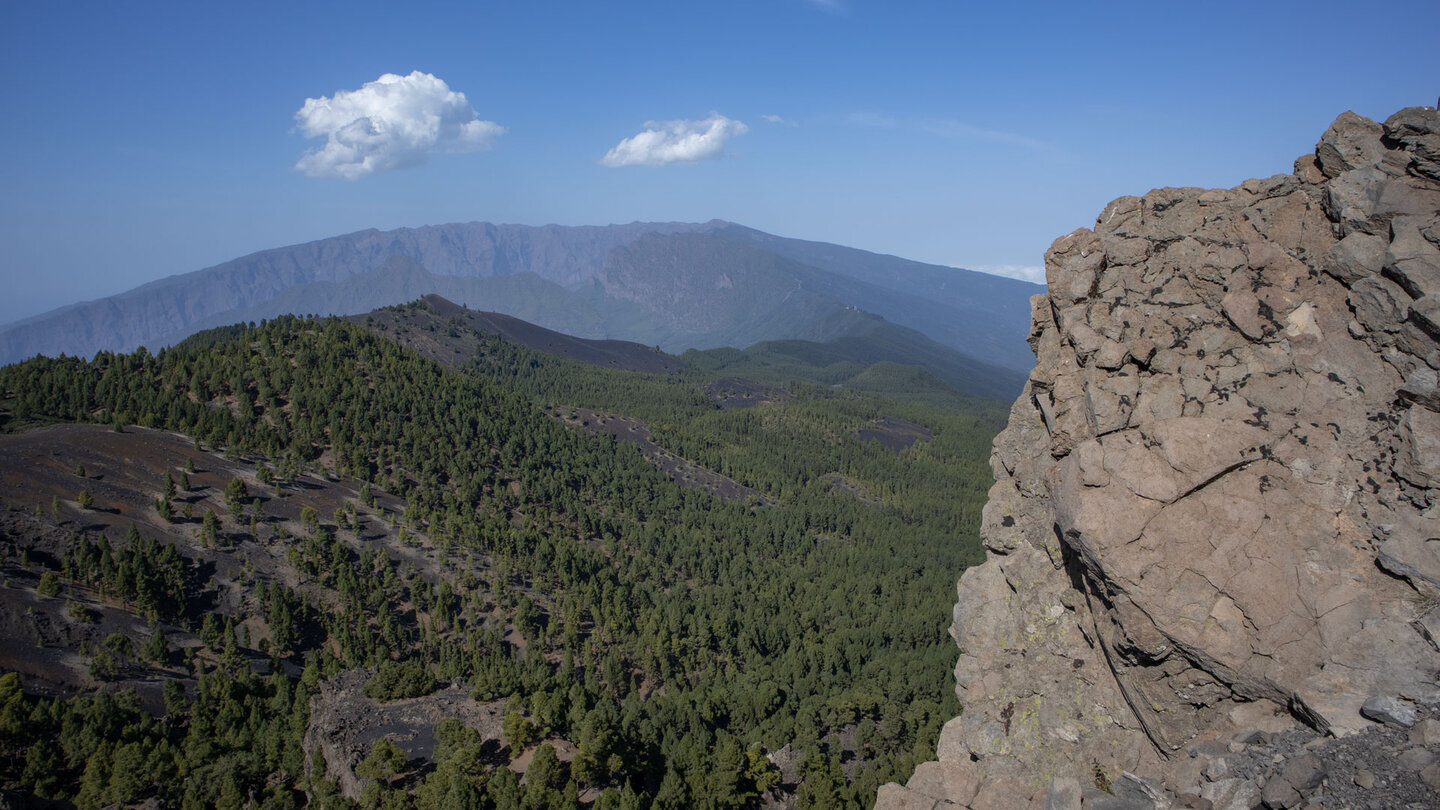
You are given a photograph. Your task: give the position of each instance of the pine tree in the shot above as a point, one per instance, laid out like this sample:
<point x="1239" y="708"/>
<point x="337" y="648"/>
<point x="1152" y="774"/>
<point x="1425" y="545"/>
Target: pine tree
<point x="157" y="649"/>
<point x="49" y="584"/>
<point x="237" y="496"/>
<point x="210" y="529"/>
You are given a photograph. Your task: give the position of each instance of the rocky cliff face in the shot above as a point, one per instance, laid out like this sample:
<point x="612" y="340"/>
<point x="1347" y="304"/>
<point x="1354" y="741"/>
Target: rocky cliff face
<point x="1215" y="511"/>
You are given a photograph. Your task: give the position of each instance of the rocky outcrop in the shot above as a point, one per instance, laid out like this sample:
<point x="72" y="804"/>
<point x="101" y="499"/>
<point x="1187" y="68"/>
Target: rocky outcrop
<point x="1215" y="511"/>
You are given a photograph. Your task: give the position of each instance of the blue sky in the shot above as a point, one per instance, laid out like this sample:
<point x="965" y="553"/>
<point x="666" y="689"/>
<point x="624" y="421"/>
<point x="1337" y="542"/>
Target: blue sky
<point x="143" y="140"/>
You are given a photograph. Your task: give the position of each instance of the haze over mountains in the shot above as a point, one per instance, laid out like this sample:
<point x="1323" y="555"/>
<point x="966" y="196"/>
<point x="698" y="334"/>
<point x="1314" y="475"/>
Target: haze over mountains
<point x="672" y="285"/>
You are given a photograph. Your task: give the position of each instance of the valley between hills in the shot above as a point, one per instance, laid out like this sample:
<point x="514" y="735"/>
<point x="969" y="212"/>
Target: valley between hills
<point x="433" y="557"/>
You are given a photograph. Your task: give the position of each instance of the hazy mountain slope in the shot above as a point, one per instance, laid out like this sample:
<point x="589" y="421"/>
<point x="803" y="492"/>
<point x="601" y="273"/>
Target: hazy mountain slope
<point x="712" y="290"/>
<point x="168" y="309"/>
<point x="400" y="278"/>
<point x="866" y="341"/>
<point x="669" y="284"/>
<point x="704" y="292"/>
<point x="964" y="309"/>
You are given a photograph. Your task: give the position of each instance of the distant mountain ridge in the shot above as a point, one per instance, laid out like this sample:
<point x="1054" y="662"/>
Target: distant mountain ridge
<point x="673" y="285"/>
<point x="874" y="354"/>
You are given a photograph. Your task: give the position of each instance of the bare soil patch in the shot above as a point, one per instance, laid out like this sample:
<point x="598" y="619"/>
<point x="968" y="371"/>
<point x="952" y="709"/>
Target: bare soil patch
<point x="738" y="392"/>
<point x="344" y="724"/>
<point x="682" y="471"/>
<point x="124" y="473"/>
<point x="895" y="434"/>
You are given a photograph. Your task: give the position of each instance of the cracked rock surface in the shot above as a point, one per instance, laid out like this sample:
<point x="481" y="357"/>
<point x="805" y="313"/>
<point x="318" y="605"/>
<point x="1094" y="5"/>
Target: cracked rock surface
<point x="1215" y="509"/>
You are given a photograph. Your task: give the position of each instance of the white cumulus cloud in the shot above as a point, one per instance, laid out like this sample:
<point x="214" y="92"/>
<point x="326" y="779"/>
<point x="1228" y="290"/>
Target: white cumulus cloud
<point x="394" y="122"/>
<point x="665" y="142"/>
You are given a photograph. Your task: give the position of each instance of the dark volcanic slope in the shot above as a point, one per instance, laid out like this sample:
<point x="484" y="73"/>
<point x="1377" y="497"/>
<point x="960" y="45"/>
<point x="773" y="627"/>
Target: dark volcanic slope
<point x="432" y="330"/>
<point x="124" y="472"/>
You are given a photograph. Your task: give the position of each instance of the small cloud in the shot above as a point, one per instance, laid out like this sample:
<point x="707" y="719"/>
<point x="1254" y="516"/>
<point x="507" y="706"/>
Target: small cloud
<point x="872" y="119"/>
<point x="828" y="5"/>
<point x="394" y="122"/>
<point x="959" y="130"/>
<point x="1022" y="272"/>
<point x="947" y="128"/>
<point x="665" y="142"/>
<point x="777" y="119"/>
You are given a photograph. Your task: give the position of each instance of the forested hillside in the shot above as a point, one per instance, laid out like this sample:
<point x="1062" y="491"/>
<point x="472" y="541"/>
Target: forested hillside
<point x="359" y="508"/>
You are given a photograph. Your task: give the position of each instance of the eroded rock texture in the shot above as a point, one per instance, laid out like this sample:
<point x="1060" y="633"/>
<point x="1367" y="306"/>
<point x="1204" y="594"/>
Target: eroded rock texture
<point x="1215" y="506"/>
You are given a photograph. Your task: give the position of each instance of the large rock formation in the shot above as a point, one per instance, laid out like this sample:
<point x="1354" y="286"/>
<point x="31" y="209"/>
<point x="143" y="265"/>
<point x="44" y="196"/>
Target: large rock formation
<point x="1215" y="510"/>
